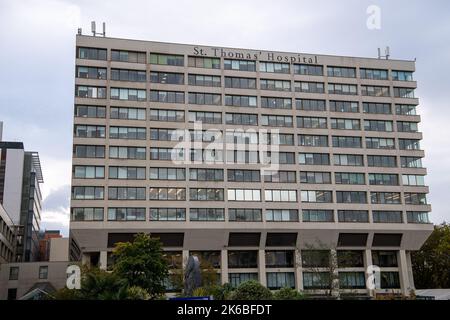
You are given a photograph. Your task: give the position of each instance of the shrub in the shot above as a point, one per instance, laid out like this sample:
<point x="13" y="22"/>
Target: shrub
<point x="251" y="290"/>
<point x="288" y="294"/>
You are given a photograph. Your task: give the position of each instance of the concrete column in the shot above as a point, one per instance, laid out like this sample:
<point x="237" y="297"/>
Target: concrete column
<point x="184" y="258"/>
<point x="298" y="270"/>
<point x="103" y="262"/>
<point x="368" y="262"/>
<point x="224" y="266"/>
<point x="86" y="259"/>
<point x="410" y="270"/>
<point x="262" y="267"/>
<point x="403" y="272"/>
<point x="335" y="275"/>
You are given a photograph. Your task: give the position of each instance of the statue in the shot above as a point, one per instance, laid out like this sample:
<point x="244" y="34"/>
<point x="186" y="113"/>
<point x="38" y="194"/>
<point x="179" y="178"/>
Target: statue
<point x="192" y="275"/>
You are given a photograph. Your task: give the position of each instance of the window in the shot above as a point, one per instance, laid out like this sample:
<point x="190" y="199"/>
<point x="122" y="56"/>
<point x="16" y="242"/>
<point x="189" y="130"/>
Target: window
<point x="129" y="133"/>
<point x="244" y="195"/>
<point x="350" y="259"/>
<point x="415" y="198"/>
<point x="86" y="131"/>
<point x="345" y="124"/>
<point x="375" y="91"/>
<point x="344" y="72"/>
<point x="242" y="259"/>
<point x="279" y="215"/>
<point x="167" y="134"/>
<point x="239" y="175"/>
<point x="205" y="174"/>
<point x="128" y="56"/>
<point x="168" y="194"/>
<point x="278" y="157"/>
<point x="205" y="98"/>
<point x="309" y="87"/>
<point x="338" y="88"/>
<point x="166" y="154"/>
<point x="43" y="272"/>
<point x="382" y="161"/>
<point x="280" y="195"/>
<point x="137" y="153"/>
<point x="86" y="214"/>
<point x="87" y="193"/>
<point x="166" y="115"/>
<point x="127" y="173"/>
<point x="353" y="216"/>
<point x="405" y="109"/>
<point x="284" y="139"/>
<point x="13" y="273"/>
<point x="402" y="75"/>
<point x="417" y="217"/>
<point x="206" y="214"/>
<point x="244" y="214"/>
<point x="378" y="125"/>
<point x="315" y="177"/>
<point x="172" y="174"/>
<point x="373" y="74"/>
<point x="390" y="280"/>
<point x="316" y="159"/>
<point x="413" y="180"/>
<point x="206" y="194"/>
<point x="275" y="85"/>
<point x="317" y="216"/>
<point x="82" y="151"/>
<point x="280" y="176"/>
<point x="166" y="77"/>
<point x="240" y="83"/>
<point x="274" y="67"/>
<point x="352" y="280"/>
<point x="349" y="178"/>
<point x="383" y="179"/>
<point x="241" y="101"/>
<point x="204" y="62"/>
<point x="91" y="53"/>
<point x="278" y="280"/>
<point x="241" y="65"/>
<point x="128" y="94"/>
<point x="235" y="279"/>
<point x="276" y="121"/>
<point x="310" y="105"/>
<point x="166" y="96"/>
<point x="127" y="113"/>
<point x="276" y="103"/>
<point x="318" y="196"/>
<point x="387" y="216"/>
<point x="346" y="142"/>
<point x="312" y="122"/>
<point x="384" y="259"/>
<point x="344" y="106"/>
<point x="210" y="135"/>
<point x="91" y="73"/>
<point x="351" y="197"/>
<point x="90" y="92"/>
<point x="377" y="108"/>
<point x="126" y="193"/>
<point x="242" y="156"/>
<point x="279" y="259"/>
<point x="409" y="144"/>
<point x="166" y="59"/>
<point x="308" y="69"/>
<point x="204" y="80"/>
<point x="88" y="172"/>
<point x="239" y="137"/>
<point x="205" y="117"/>
<point x="167" y="214"/>
<point x="316" y="280"/>
<point x="208" y="156"/>
<point x="126" y="214"/>
<point x="315" y="258"/>
<point x="90" y="111"/>
<point x="385" y="198"/>
<point x="312" y="140"/>
<point x="355" y="160"/>
<point x="380" y="143"/>
<point x="241" y="119"/>
<point x="128" y="75"/>
<point x="406" y="126"/>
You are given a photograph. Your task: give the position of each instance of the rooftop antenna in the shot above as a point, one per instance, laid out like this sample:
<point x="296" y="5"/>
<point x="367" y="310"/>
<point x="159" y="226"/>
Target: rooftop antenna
<point x="94" y="31"/>
<point x="386" y="53"/>
<point x="80" y="32"/>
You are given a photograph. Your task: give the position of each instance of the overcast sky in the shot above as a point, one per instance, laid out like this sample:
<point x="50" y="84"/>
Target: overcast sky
<point x="37" y="57"/>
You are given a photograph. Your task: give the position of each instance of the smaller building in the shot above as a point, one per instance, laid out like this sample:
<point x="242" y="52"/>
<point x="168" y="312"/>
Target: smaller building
<point x="7" y="237"/>
<point x="44" y="243"/>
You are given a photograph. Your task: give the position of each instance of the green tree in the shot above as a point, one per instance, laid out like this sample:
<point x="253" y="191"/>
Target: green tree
<point x="251" y="290"/>
<point x="288" y="294"/>
<point x="431" y="264"/>
<point x="141" y="263"/>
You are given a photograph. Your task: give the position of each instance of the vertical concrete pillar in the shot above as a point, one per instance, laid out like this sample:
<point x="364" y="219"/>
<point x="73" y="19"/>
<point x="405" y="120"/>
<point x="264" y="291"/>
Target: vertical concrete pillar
<point x="262" y="267"/>
<point x="368" y="262"/>
<point x="410" y="270"/>
<point x="298" y="270"/>
<point x="403" y="272"/>
<point x="103" y="262"/>
<point x="224" y="266"/>
<point x="335" y="274"/>
<point x="86" y="259"/>
<point x="184" y="258"/>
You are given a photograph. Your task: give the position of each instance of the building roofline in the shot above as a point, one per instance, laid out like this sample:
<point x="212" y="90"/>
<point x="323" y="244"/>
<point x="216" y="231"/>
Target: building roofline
<point x="37" y="165"/>
<point x="238" y="48"/>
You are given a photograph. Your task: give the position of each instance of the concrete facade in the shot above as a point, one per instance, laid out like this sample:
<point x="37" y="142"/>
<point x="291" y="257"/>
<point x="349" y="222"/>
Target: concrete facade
<point x="387" y="226"/>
